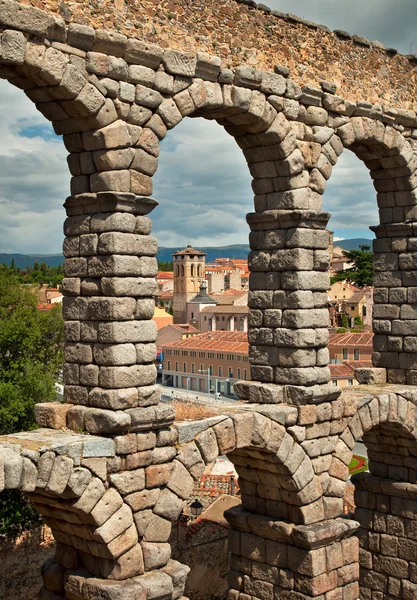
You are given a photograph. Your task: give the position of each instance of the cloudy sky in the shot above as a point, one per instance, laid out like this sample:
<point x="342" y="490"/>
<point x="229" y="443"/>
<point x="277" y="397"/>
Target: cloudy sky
<point x="202" y="184"/>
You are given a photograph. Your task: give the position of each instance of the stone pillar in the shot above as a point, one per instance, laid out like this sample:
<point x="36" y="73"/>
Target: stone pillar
<point x="245" y="323"/>
<point x="288" y="316"/>
<point x="395" y="299"/>
<point x="388" y="522"/>
<point x="109" y="288"/>
<point x="272" y="559"/>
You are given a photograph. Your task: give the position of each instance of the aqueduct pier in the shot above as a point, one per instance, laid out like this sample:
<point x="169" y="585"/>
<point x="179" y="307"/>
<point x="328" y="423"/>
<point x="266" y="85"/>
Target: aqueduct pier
<point x="114" y="80"/>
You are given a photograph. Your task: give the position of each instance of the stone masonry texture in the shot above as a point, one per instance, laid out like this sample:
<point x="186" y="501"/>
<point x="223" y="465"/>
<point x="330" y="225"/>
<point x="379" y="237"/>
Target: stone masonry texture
<point x="110" y="469"/>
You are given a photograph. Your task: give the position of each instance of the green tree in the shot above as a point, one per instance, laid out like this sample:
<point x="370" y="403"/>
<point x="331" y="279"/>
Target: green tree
<point x="358" y="321"/>
<point x="31" y="354"/>
<point x="361" y="273"/>
<point x="165" y="266"/>
<point x="31" y="359"/>
<point x="345" y="321"/>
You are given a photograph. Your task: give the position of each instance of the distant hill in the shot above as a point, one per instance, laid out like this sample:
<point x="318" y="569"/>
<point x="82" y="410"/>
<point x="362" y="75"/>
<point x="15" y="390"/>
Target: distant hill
<point x="213" y="252"/>
<point x="164" y="254"/>
<point x="353" y="244"/>
<point x="27" y="260"/>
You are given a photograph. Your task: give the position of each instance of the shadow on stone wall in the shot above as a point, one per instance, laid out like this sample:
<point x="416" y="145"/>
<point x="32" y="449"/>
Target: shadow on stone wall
<point x="20" y="564"/>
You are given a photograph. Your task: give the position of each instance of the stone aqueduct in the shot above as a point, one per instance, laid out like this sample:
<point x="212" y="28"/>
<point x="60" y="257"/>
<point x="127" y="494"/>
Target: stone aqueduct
<point x="111" y="493"/>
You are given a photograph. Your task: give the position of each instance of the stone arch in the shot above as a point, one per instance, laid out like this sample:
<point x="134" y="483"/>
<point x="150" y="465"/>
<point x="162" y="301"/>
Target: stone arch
<point x="385" y="422"/>
<point x="385" y="496"/>
<point x="276" y="476"/>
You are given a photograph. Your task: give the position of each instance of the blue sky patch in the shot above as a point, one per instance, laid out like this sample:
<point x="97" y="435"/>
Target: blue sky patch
<point x="43" y="130"/>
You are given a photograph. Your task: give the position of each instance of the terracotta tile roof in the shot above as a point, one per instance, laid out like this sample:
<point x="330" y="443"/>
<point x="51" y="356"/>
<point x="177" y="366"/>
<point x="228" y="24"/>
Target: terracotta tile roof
<point x="45" y="306"/>
<point x="358" y="364"/>
<point x="167" y="295"/>
<point x="189" y="250"/>
<point x="185" y="328"/>
<point x="355" y="298"/>
<point x="346" y="370"/>
<point x="347" y="340"/>
<point x="218" y="341"/>
<point x="228" y="296"/>
<point x="226" y="309"/>
<point x="165" y="275"/>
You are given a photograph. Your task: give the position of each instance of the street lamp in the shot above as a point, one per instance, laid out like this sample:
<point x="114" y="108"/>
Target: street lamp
<point x="208" y="379"/>
<point x="196" y="507"/>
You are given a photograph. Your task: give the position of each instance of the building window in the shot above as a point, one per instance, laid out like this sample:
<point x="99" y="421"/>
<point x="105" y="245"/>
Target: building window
<point x="334" y="382"/>
<point x="201" y="368"/>
<point x="364" y="311"/>
<point x="192" y="368"/>
<point x="176" y="366"/>
<point x="184" y="367"/>
<point x="192" y="315"/>
<point x="230" y="372"/>
<point x="356" y="354"/>
<point x="244" y="374"/>
<point x="350" y="381"/>
<point x="238" y="373"/>
<point x="210" y="370"/>
<point x="345" y="354"/>
<point x="220" y="372"/>
<point x="169" y="365"/>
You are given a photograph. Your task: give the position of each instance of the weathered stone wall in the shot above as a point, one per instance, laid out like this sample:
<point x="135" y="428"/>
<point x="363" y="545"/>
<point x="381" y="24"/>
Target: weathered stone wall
<point x="21" y="561"/>
<point x="387" y="513"/>
<point x="243" y="35"/>
<point x="110" y="501"/>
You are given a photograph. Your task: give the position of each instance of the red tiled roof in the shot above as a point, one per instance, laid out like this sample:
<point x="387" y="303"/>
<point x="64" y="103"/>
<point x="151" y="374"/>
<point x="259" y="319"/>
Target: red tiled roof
<point x="167" y="295"/>
<point x="355" y="298"/>
<point x="189" y="250"/>
<point x="45" y="306"/>
<point x="165" y="275"/>
<point x="346" y="340"/>
<point x="185" y="327"/>
<point x="346" y="369"/>
<point x="226" y="308"/>
<point x="220" y="341"/>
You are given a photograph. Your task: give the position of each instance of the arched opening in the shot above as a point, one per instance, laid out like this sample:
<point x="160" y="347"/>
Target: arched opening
<point x="34" y="182"/>
<point x="385" y="496"/>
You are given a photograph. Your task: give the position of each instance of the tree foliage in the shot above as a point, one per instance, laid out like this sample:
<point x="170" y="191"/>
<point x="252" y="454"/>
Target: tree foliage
<point x="165" y="265"/>
<point x="40" y="273"/>
<point x="31" y="354"/>
<point x="31" y="359"/>
<point x="361" y="273"/>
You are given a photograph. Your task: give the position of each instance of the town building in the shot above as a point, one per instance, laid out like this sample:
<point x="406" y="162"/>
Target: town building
<point x="343" y="375"/>
<point x="338" y="261"/>
<point x="189" y="267"/>
<point x="222" y="275"/>
<point x="174" y="332"/>
<point x="349" y="351"/>
<point x="350" y="300"/>
<point x="350" y="346"/>
<point x="210" y="361"/>
<point x="161" y="317"/>
<point x="165" y="281"/>
<point x="225" y="311"/>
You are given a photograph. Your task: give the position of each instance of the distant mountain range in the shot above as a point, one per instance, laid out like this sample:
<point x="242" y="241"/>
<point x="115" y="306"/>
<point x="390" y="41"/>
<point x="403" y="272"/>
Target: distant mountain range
<point x="164" y="254"/>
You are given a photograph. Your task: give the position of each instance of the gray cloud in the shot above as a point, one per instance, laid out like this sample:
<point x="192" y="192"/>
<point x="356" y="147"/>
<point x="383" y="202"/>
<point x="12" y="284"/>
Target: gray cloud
<point x="392" y="23"/>
<point x="203" y="183"/>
